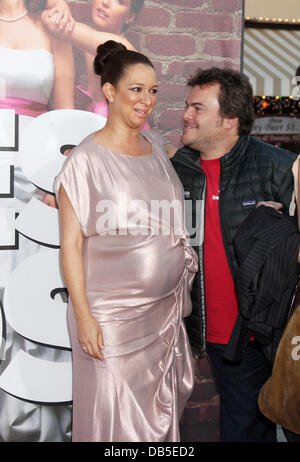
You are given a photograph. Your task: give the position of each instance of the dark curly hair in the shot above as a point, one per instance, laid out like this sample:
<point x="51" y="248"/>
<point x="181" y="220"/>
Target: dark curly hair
<point x="235" y="96"/>
<point x="34" y="6"/>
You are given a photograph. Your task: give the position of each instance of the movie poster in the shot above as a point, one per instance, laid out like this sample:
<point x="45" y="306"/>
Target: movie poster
<point x="50" y="99"/>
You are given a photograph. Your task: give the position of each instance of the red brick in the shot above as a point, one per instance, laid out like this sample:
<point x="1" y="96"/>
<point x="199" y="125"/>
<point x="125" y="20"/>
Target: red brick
<point x="203" y="368"/>
<point x="204" y="391"/>
<point x="158" y="67"/>
<point x="185" y="3"/>
<point x="222" y="63"/>
<point x="201" y="412"/>
<point x="183" y="68"/>
<point x="135" y="38"/>
<point x="238" y="24"/>
<point x="227" y="4"/>
<point x="171" y="119"/>
<point x="235" y="66"/>
<point x="171" y="45"/>
<point x="171" y="92"/>
<point x="227" y="48"/>
<point x="205" y="22"/>
<point x="188" y="69"/>
<point x="153" y="17"/>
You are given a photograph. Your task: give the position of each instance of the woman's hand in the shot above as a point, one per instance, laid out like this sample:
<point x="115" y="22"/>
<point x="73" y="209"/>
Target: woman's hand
<point x="50" y="200"/>
<point x="90" y="336"/>
<point x="275" y="205"/>
<point x="58" y="18"/>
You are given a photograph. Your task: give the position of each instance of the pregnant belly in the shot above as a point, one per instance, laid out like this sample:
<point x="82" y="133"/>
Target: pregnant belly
<point x="132" y="268"/>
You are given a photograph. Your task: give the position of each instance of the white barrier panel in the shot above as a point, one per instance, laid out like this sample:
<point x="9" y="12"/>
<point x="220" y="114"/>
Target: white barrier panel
<point x="40" y="148"/>
<point x="28" y="306"/>
<point x="31" y="304"/>
<point x="45" y="230"/>
<point x="7" y="227"/>
<point x="5" y="178"/>
<point x="7" y="124"/>
<point x="34" y="379"/>
<point x="2" y="333"/>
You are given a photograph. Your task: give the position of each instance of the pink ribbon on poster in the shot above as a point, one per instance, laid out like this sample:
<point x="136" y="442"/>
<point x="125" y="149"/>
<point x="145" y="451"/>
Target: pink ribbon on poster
<point x="24" y="106"/>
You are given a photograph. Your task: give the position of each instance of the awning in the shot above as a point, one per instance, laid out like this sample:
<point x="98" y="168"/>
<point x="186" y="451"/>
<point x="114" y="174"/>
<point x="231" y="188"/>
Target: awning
<point x="271" y="57"/>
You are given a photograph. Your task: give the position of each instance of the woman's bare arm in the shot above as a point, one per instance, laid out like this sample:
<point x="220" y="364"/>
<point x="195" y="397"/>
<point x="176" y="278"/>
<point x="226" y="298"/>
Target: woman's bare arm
<point x="89" y="331"/>
<point x="82" y="36"/>
<point x="64" y="80"/>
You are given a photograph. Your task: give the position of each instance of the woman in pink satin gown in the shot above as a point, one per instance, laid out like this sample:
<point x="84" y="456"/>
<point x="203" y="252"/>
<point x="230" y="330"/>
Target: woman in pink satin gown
<point x="127" y="265"/>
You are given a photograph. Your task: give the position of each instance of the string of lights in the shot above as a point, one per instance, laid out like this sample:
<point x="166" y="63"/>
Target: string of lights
<point x="276" y="105"/>
<point x="273" y="20"/>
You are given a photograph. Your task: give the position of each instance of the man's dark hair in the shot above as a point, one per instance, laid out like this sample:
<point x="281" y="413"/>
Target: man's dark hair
<point x="235" y="96"/>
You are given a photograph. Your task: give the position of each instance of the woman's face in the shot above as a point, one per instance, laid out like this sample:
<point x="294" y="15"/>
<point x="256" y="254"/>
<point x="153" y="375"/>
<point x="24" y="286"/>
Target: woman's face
<point x="134" y="98"/>
<point x="111" y="15"/>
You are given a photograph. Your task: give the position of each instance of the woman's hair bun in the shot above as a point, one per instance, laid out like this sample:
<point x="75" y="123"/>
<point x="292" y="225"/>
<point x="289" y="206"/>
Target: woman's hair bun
<point x="104" y="54"/>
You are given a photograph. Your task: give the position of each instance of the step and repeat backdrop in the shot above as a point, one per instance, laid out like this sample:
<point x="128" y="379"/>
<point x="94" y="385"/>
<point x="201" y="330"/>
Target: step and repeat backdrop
<point x="49" y="101"/>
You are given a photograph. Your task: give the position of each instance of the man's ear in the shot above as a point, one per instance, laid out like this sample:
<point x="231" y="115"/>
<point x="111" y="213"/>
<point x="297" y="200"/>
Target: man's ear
<point x="230" y="123"/>
<point x="109" y="92"/>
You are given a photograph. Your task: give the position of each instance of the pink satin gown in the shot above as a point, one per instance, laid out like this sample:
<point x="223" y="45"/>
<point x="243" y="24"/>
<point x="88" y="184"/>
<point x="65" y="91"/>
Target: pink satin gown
<point x="138" y="288"/>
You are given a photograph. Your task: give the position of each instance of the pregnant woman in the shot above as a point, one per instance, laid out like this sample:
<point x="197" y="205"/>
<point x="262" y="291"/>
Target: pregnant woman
<point x="128" y="270"/>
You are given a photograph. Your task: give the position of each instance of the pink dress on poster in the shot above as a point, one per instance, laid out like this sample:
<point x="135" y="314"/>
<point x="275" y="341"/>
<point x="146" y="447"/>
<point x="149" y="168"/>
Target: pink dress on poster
<point x="138" y="289"/>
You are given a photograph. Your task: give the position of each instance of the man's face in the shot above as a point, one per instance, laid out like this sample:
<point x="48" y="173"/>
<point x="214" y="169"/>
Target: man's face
<point x="203" y="124"/>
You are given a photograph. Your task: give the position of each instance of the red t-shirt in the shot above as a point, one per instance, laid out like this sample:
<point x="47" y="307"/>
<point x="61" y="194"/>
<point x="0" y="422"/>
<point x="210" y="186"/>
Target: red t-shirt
<point x="221" y="299"/>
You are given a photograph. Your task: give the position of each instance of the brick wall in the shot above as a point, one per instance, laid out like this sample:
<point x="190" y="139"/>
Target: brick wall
<point x="179" y="36"/>
<point x="200" y="419"/>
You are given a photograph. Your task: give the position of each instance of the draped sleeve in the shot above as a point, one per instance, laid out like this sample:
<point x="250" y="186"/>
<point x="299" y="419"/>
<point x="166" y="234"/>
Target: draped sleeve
<point x="74" y="177"/>
<point x="156" y="138"/>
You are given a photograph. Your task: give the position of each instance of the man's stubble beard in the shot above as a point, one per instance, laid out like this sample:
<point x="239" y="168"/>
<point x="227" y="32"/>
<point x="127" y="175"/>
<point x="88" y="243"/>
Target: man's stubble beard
<point x="206" y="142"/>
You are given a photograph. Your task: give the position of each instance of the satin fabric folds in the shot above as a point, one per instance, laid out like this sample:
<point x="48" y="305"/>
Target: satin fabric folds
<point x="138" y="282"/>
